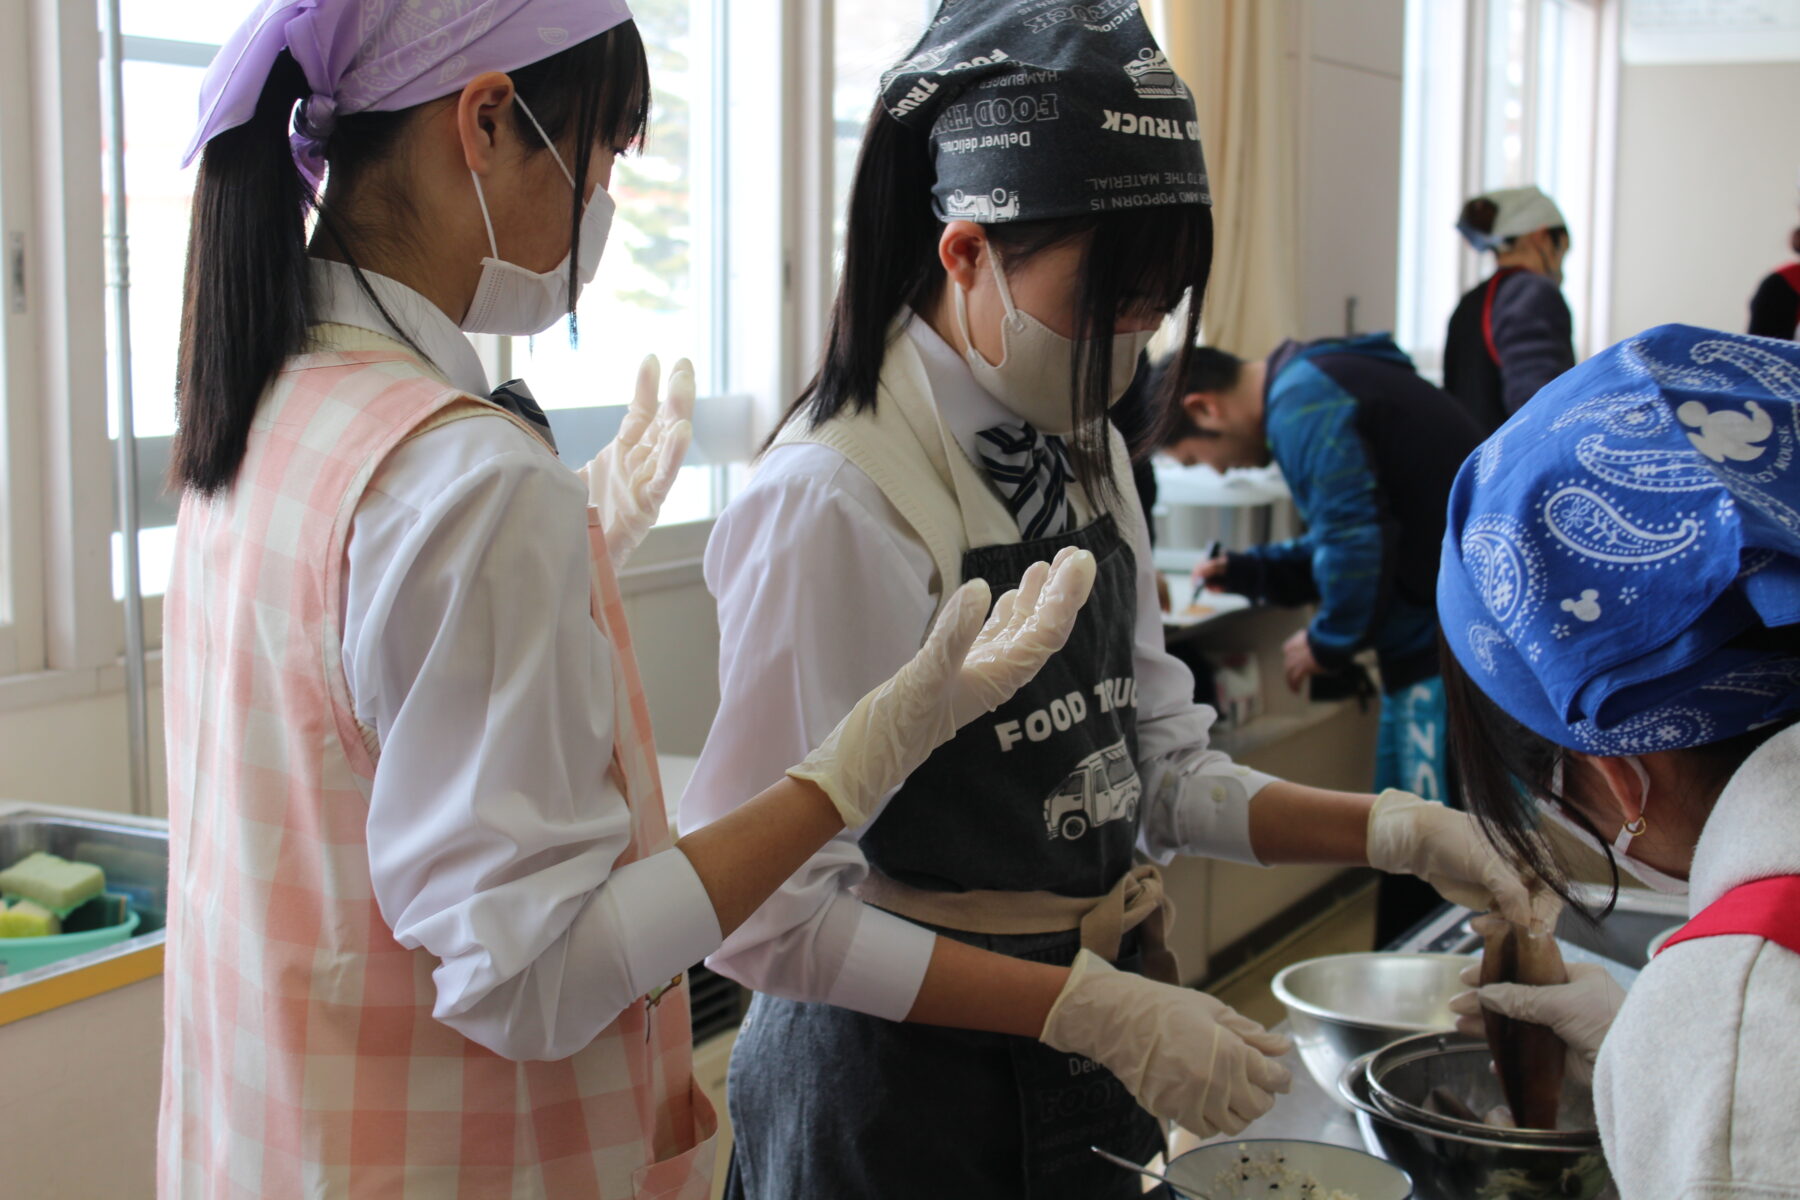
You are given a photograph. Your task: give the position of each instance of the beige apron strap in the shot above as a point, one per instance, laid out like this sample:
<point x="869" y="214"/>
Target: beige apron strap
<point x="1137" y="901"/>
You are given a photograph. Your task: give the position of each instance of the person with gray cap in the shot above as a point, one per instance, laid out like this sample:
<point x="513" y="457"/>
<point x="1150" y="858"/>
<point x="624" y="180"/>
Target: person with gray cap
<point x="962" y="996"/>
<point x="1512" y="332"/>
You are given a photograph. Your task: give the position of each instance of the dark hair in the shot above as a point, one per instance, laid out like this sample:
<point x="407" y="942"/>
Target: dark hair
<point x="1794" y="241"/>
<point x="1207" y="369"/>
<point x="1480" y="214"/>
<point x="248" y="304"/>
<point x="1505" y="772"/>
<point x="1147" y="257"/>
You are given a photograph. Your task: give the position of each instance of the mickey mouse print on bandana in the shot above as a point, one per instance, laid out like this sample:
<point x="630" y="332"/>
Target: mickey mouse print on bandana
<point x="1609" y="545"/>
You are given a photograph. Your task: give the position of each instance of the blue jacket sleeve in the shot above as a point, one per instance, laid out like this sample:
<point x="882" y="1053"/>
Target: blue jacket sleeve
<point x="1274" y="573"/>
<point x="1533" y="334"/>
<point x="1313" y="435"/>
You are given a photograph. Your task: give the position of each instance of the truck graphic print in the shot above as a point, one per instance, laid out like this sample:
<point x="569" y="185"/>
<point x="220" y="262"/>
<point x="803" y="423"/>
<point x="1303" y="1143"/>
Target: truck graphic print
<point x="1103" y="787"/>
<point x="998" y="205"/>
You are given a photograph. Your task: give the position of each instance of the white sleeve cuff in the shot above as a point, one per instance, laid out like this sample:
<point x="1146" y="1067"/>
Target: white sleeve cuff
<point x="1202" y="807"/>
<point x="885" y="966"/>
<point x="659" y="916"/>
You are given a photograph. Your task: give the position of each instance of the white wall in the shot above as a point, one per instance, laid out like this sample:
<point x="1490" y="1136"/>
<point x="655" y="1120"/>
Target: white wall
<point x="75" y="752"/>
<point x="1705" y="201"/>
<point x="1353" y="54"/>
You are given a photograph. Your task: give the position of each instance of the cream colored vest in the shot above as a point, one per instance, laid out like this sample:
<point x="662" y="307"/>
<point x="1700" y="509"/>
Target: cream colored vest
<point x="927" y="475"/>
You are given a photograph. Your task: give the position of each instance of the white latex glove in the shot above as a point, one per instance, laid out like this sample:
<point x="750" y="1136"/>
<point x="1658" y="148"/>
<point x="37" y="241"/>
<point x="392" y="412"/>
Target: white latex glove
<point x="1184" y="1055"/>
<point x="893" y="730"/>
<point x="631" y="476"/>
<point x="1027" y="627"/>
<point x="1446" y="848"/>
<point x="1580" y="1011"/>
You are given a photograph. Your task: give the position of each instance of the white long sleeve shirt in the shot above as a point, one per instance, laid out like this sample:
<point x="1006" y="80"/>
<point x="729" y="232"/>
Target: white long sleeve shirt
<point x="493" y="826"/>
<point x="823" y="592"/>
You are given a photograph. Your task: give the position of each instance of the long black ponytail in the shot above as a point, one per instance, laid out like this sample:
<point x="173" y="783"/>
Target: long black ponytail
<point x="248" y="303"/>
<point x="1149" y="258"/>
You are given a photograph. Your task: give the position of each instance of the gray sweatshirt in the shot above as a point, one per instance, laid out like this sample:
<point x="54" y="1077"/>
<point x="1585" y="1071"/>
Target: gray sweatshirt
<point x="1698" y="1083"/>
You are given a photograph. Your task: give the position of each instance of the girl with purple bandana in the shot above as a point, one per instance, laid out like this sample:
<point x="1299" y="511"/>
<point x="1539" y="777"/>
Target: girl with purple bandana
<point x="1620" y="593"/>
<point x="427" y="928"/>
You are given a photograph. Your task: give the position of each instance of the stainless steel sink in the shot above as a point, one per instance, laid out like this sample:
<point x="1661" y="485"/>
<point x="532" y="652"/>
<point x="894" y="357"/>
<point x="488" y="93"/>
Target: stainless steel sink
<point x="134" y="857"/>
<point x="1626" y="933"/>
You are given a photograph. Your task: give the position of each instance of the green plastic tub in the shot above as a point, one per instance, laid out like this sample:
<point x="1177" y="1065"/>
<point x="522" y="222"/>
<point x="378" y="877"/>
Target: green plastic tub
<point x="26" y="954"/>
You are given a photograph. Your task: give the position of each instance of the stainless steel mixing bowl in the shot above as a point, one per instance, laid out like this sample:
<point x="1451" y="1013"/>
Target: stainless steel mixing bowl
<point x="1492" y="1166"/>
<point x="1345" y="1005"/>
<point x="1404" y="1076"/>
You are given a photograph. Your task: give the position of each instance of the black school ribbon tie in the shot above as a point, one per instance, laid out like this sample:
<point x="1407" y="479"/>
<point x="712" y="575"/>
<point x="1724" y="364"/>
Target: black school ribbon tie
<point x="1032" y="472"/>
<point x="517" y="399"/>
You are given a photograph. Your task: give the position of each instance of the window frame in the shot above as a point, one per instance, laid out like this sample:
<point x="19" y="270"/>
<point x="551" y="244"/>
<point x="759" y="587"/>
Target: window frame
<point x="21" y="559"/>
<point x="1590" y="218"/>
<point x="772" y="279"/>
<point x="83" y="625"/>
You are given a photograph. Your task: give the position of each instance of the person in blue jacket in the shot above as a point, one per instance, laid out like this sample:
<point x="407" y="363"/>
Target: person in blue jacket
<point x="1369" y="450"/>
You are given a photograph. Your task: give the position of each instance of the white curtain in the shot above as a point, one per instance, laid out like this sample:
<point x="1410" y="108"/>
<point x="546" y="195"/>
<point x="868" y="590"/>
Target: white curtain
<point x="1240" y="58"/>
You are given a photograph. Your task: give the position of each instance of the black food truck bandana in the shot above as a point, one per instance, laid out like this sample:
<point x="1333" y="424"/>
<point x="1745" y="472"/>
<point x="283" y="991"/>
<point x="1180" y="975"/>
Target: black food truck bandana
<point x="1040" y="109"/>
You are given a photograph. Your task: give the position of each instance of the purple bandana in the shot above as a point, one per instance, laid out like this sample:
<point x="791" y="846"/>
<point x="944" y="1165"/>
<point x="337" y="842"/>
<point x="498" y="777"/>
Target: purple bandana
<point x="383" y="56"/>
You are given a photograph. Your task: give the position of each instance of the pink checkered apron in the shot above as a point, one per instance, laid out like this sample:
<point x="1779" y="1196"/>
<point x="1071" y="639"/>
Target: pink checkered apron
<point x="301" y="1058"/>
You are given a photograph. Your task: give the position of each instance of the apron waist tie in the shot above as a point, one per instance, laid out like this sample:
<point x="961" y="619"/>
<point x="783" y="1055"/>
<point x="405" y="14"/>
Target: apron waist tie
<point x="1137" y="901"/>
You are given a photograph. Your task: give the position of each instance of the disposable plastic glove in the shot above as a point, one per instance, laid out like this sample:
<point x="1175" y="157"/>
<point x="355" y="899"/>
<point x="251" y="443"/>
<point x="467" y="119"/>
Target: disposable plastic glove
<point x="1184" y="1055"/>
<point x="1446" y="848"/>
<point x="893" y="730"/>
<point x="631" y="476"/>
<point x="1028" y="625"/>
<point x="1579" y="1012"/>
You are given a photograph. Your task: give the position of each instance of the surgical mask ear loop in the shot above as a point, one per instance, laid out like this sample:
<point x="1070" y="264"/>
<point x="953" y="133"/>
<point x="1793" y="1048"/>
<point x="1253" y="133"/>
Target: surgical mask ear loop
<point x="1637" y="828"/>
<point x="1012" y="310"/>
<point x="493" y="246"/>
<point x="481" y="198"/>
<point x="962" y="310"/>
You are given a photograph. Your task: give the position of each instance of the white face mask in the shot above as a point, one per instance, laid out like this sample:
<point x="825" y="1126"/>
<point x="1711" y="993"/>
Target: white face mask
<point x="1032" y="377"/>
<point x="511" y="300"/>
<point x="1643" y="872"/>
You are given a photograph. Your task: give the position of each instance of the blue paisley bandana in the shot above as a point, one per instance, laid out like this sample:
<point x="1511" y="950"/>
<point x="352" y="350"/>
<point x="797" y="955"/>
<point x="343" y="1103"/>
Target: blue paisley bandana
<point x="1609" y="544"/>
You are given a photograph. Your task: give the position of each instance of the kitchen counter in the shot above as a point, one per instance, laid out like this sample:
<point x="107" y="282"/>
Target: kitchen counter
<point x="1306" y="1112"/>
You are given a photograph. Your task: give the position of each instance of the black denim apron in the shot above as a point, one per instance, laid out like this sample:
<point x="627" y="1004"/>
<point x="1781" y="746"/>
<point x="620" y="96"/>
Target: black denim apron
<point x="1040" y="795"/>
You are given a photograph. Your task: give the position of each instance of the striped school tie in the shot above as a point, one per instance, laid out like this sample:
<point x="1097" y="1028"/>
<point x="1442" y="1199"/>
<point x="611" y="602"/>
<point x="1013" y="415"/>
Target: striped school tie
<point x="1032" y="472"/>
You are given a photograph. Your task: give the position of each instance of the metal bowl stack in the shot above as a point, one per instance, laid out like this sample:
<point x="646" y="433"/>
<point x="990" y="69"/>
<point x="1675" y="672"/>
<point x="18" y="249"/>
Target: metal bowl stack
<point x="1399" y="1094"/>
<point x="1345" y="1005"/>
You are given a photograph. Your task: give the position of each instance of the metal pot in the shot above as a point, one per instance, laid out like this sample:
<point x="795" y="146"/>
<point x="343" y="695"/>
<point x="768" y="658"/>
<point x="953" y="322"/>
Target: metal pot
<point x="1403" y="1077"/>
<point x="1493" y="1166"/>
<point x="1344" y="1005"/>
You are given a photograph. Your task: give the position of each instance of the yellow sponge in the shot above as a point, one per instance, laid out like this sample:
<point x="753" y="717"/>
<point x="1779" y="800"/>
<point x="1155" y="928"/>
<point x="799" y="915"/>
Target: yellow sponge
<point x="55" y="883"/>
<point x="25" y="919"/>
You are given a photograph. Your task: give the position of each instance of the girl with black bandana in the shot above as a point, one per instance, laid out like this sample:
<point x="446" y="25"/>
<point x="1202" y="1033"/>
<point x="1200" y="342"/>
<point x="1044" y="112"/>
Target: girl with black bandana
<point x="961" y="997"/>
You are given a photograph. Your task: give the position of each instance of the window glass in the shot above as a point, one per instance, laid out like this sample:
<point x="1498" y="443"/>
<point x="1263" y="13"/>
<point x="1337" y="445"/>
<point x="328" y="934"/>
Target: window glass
<point x="1537" y="125"/>
<point x="1504" y="161"/>
<point x="208" y="21"/>
<point x="11" y="242"/>
<point x="870" y="37"/>
<point x="161" y="100"/>
<point x="1567" y="93"/>
<point x="654" y="291"/>
<point x="1432" y="186"/>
